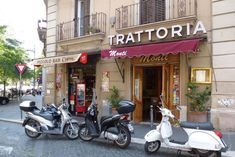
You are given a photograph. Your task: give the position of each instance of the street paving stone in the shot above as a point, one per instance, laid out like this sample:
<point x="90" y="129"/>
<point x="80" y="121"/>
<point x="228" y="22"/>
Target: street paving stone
<point x="14" y="141"/>
<point x="13" y="136"/>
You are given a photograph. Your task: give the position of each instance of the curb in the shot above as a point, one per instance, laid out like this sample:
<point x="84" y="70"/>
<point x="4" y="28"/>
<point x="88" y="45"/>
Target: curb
<point x="11" y="120"/>
<point x="142" y="142"/>
<point x="133" y="139"/>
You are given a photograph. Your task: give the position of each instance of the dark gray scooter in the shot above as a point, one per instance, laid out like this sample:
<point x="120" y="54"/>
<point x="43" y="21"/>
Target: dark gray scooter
<point x="110" y="127"/>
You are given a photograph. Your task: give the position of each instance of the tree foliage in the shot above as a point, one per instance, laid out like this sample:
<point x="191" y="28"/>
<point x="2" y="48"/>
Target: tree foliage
<point x="11" y="53"/>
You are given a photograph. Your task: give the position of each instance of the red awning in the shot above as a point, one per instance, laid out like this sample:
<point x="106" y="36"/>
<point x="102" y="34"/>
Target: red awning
<point x="184" y="46"/>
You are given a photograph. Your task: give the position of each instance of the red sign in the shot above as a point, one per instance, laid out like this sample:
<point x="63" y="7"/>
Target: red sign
<point x="21" y="67"/>
<point x="83" y="58"/>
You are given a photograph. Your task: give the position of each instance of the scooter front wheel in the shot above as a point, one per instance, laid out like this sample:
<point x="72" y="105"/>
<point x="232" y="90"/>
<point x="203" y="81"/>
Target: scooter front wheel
<point x="71" y="132"/>
<point x="151" y="147"/>
<point x="84" y="133"/>
<point x="124" y="137"/>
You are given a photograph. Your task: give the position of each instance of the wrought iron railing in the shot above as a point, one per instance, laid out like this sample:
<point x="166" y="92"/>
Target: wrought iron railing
<point x="87" y="25"/>
<point x="151" y="11"/>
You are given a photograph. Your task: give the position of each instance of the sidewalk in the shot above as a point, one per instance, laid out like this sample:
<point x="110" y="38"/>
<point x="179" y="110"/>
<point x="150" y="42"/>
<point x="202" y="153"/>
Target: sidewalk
<point x="11" y="113"/>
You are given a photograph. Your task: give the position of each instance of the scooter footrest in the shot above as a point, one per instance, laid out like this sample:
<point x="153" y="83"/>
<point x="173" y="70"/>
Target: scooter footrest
<point x="177" y="142"/>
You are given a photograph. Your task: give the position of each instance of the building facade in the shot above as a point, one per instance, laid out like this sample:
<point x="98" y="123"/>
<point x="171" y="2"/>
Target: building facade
<point x="144" y="48"/>
<point x="223" y="41"/>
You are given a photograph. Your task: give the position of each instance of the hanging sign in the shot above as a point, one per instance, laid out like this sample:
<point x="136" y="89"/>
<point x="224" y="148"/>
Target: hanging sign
<point x="21" y="68"/>
<point x="83" y="58"/>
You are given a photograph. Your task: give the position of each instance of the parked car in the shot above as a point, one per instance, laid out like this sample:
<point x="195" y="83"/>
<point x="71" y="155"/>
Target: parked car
<point x="3" y="100"/>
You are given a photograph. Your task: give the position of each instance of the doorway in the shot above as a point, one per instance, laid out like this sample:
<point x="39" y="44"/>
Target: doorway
<point x="149" y="82"/>
<point x="152" y="88"/>
<point x="147" y="87"/>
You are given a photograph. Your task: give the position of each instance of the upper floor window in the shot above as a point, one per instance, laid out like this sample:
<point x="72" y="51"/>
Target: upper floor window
<point x="152" y="11"/>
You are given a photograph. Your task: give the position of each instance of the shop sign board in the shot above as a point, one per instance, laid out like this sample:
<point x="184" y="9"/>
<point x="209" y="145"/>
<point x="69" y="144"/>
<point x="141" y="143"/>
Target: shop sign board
<point x="57" y="60"/>
<point x="159" y="33"/>
<point x="83" y="58"/>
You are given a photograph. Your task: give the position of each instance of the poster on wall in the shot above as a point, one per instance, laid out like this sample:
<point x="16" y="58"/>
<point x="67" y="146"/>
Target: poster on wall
<point x="58" y="80"/>
<point x="137" y="83"/>
<point x="105" y="81"/>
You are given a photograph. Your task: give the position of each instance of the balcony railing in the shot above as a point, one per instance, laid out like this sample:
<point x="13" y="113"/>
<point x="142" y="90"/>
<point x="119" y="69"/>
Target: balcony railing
<point x="79" y="27"/>
<point x="151" y="11"/>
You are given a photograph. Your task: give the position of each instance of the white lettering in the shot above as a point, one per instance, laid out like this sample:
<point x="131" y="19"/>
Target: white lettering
<point x="120" y="38"/>
<point x="138" y="35"/>
<point x="176" y="29"/>
<point x="130" y="38"/>
<point x="111" y="39"/>
<point x="161" y="33"/>
<point x="115" y="53"/>
<point x="149" y="31"/>
<point x="164" y="34"/>
<point x="188" y="29"/>
<point x="199" y="28"/>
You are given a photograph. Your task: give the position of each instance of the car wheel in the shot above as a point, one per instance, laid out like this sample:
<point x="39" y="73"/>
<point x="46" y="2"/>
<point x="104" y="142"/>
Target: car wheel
<point x="4" y="102"/>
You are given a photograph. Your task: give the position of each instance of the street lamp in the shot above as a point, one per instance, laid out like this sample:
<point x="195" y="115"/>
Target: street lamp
<point x="33" y="66"/>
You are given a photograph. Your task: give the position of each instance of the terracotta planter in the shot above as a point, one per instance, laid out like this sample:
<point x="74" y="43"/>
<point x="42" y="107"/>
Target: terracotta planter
<point x="197" y="116"/>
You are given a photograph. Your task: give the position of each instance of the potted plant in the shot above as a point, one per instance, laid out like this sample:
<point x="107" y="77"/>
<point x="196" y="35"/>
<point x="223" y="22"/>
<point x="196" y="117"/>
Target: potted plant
<point x="198" y="99"/>
<point x="90" y="30"/>
<point x="114" y="98"/>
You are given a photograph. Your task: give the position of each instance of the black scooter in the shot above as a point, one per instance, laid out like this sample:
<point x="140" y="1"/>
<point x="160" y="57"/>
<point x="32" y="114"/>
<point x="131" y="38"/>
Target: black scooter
<point x="111" y="127"/>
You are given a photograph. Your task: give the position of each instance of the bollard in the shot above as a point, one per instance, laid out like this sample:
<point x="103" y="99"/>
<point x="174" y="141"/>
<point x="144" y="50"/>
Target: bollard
<point x="151" y="115"/>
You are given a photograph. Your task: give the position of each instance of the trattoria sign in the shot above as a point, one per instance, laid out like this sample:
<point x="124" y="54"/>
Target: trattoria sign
<point x="159" y="33"/>
<point x="57" y="60"/>
<point x="155" y="59"/>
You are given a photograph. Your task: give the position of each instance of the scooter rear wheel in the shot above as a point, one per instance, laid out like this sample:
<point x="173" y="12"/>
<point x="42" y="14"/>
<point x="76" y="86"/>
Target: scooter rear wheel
<point x="35" y="125"/>
<point x="151" y="147"/>
<point x="84" y="133"/>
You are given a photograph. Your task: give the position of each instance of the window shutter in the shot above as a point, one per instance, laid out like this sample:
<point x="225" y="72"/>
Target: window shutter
<point x="160" y="10"/>
<point x="87" y="15"/>
<point x="152" y="11"/>
<point x="124" y="16"/>
<point x="143" y="12"/>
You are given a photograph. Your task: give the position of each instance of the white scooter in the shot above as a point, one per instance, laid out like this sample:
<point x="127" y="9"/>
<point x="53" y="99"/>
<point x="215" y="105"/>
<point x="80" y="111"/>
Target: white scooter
<point x="49" y="120"/>
<point x="202" y="138"/>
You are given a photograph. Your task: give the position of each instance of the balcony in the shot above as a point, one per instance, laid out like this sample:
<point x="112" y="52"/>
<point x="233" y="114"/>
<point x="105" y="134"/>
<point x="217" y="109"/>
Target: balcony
<point x="42" y="30"/>
<point x="148" y="13"/>
<point x="83" y="29"/>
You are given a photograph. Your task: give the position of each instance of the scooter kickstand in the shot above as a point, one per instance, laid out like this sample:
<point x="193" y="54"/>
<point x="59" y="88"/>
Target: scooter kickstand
<point x="178" y="153"/>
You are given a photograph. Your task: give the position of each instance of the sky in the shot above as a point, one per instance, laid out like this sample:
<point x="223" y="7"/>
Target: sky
<point x="21" y="17"/>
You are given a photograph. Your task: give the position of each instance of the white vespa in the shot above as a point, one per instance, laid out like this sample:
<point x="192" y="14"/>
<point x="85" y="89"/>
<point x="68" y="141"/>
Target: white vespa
<point x="202" y="138"/>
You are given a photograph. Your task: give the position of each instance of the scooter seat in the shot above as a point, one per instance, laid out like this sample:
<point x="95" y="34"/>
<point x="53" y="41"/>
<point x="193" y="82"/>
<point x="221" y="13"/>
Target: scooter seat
<point x="45" y="115"/>
<point x="197" y="125"/>
<point x="104" y="118"/>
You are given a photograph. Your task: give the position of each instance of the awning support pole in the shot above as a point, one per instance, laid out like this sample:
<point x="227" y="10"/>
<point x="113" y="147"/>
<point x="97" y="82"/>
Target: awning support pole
<point x="121" y="70"/>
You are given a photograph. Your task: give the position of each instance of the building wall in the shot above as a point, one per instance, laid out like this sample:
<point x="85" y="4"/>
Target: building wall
<point x="51" y="51"/>
<point x="223" y="45"/>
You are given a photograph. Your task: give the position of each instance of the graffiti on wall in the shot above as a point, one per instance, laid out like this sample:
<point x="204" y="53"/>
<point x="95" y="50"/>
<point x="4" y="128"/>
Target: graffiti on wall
<point x="226" y="102"/>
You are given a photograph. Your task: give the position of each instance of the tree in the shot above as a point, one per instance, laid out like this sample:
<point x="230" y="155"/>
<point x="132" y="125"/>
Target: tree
<point x="11" y="53"/>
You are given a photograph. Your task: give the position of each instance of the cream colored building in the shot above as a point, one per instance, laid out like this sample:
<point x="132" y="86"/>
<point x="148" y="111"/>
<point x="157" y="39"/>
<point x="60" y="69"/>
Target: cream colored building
<point x="104" y="27"/>
<point x="223" y="46"/>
